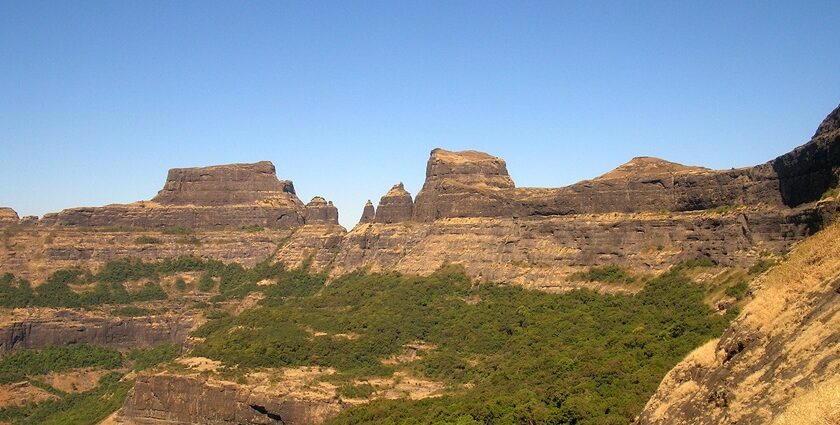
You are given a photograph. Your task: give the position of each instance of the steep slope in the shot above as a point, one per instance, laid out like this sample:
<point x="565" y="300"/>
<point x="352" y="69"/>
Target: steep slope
<point x="779" y="362"/>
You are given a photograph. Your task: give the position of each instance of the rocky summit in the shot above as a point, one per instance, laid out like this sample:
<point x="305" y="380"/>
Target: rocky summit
<point x="664" y="294"/>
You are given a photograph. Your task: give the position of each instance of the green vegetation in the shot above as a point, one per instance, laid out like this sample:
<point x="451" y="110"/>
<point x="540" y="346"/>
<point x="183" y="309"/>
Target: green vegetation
<point x="177" y="231"/>
<point x="605" y="274"/>
<point x="531" y="357"/>
<point x="15" y="367"/>
<point x="830" y="193"/>
<point x="147" y="240"/>
<point x="253" y="228"/>
<point x="148" y="358"/>
<point x="188" y="240"/>
<point x="762" y="266"/>
<point x="180" y="284"/>
<point x="739" y="290"/>
<point x="694" y="263"/>
<point x="86" y="408"/>
<point x="364" y="390"/>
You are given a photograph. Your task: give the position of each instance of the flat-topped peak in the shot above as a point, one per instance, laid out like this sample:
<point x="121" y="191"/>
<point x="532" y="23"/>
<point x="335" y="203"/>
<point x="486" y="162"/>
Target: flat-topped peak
<point x="642" y="166"/>
<point x="461" y="156"/>
<point x="227" y="184"/>
<point x="469" y="167"/>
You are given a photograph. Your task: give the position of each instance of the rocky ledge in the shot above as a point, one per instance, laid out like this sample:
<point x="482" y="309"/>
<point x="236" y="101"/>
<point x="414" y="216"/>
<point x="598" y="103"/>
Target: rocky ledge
<point x="222" y="196"/>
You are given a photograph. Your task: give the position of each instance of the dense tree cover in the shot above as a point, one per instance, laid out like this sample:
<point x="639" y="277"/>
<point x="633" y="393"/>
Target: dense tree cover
<point x="16" y="366"/>
<point x="529" y="357"/>
<point x="234" y="281"/>
<point x="606" y="274"/>
<point x="88" y="407"/>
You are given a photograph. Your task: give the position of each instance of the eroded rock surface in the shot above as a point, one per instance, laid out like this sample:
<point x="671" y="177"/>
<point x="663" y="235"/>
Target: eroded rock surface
<point x="320" y="211"/>
<point x="188" y="399"/>
<point x="41" y="327"/>
<point x="395" y="206"/>
<point x="8" y="216"/>
<point x="778" y="361"/>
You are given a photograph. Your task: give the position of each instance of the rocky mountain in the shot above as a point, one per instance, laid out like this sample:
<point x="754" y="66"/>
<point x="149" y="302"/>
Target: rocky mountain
<point x="645" y="217"/>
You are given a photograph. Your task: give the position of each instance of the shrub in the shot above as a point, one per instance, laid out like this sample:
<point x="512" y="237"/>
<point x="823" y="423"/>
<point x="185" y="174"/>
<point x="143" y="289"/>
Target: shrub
<point x="606" y="274"/>
<point x="739" y="290"/>
<point x="147" y="240"/>
<point x="177" y="231"/>
<point x="251" y="228"/>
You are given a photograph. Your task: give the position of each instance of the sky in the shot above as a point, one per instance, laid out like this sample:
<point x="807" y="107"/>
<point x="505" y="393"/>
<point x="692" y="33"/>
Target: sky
<point x="99" y="98"/>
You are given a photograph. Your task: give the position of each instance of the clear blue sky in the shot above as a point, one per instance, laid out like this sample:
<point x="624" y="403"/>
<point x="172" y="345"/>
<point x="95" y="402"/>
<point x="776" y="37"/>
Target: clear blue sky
<point x="99" y="99"/>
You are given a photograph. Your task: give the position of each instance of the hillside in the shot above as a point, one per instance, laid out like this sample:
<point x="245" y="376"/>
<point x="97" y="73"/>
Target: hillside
<point x="657" y="293"/>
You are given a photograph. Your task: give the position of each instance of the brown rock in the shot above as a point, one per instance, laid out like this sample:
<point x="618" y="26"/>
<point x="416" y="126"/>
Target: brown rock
<point x="41" y="327"/>
<point x="223" y="196"/>
<point x="369" y="213"/>
<point x="189" y="399"/>
<point x="396" y="206"/>
<point x="318" y="210"/>
<point x="776" y="364"/>
<point x="233" y="184"/>
<point x="8" y="216"/>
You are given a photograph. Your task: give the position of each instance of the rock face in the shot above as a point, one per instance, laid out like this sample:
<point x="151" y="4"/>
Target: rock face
<point x="233" y="184"/>
<point x="778" y="361"/>
<point x="395" y="207"/>
<point x="41" y="327"/>
<point x="179" y="399"/>
<point x="368" y="214"/>
<point x="222" y="196"/>
<point x="319" y="211"/>
<point x="8" y="216"/>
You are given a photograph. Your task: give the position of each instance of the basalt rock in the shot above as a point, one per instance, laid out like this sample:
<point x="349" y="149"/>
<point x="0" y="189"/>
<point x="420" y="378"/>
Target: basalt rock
<point x="777" y="362"/>
<point x="368" y="214"/>
<point x="233" y="184"/>
<point x="40" y="327"/>
<point x="395" y="207"/>
<point x="318" y="210"/>
<point x="8" y="216"/>
<point x="186" y="399"/>
<point x="222" y="196"/>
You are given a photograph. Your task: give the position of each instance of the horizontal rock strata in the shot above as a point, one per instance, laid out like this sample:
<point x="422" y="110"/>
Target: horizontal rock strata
<point x="42" y="327"/>
<point x="179" y="399"/>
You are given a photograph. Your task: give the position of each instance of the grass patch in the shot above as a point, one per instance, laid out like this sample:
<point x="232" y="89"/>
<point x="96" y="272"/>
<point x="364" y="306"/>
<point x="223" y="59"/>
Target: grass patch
<point x="253" y="228"/>
<point x="147" y="240"/>
<point x="143" y="359"/>
<point x="177" y="231"/>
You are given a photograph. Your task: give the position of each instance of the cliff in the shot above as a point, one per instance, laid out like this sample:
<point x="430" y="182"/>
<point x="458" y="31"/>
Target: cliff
<point x="778" y="361"/>
<point x="222" y="196"/>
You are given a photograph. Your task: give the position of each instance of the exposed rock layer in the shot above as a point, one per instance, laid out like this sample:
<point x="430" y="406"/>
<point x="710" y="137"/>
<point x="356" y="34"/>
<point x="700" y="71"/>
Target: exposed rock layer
<point x="179" y="399"/>
<point x="781" y="351"/>
<point x="395" y="206"/>
<point x="40" y="327"/>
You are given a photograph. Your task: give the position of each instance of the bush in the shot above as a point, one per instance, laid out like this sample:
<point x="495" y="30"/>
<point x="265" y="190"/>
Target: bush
<point x="177" y="231"/>
<point x="251" y="228"/>
<point x="16" y="366"/>
<point x="605" y="274"/>
<point x="739" y="290"/>
<point x="147" y="240"/>
<point x="762" y="266"/>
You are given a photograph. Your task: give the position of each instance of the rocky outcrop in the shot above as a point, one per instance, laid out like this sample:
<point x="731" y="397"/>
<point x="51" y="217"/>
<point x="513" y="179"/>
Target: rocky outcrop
<point x="473" y="184"/>
<point x="233" y="184"/>
<point x="464" y="184"/>
<point x="777" y="363"/>
<point x="188" y="399"/>
<point x="222" y="196"/>
<point x="541" y="252"/>
<point x="8" y="216"/>
<point x="396" y="206"/>
<point x="319" y="211"/>
<point x="368" y="214"/>
<point x="41" y="327"/>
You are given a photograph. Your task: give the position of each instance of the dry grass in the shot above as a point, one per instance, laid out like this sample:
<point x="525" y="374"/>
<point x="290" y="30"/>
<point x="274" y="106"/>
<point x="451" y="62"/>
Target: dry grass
<point x="819" y="405"/>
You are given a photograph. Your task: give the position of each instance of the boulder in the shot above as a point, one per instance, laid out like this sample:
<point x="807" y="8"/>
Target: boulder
<point x="395" y="207"/>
